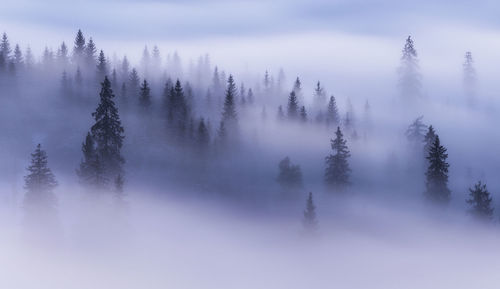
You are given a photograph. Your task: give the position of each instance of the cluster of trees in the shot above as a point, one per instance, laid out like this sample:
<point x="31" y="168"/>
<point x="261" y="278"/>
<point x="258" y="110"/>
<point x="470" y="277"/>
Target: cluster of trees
<point x="189" y="103"/>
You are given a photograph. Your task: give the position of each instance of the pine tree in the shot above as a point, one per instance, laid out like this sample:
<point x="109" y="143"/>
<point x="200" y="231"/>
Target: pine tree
<point x="319" y="95"/>
<point x="133" y="82"/>
<point x="337" y="167"/>
<point x="409" y="75"/>
<point x="107" y="132"/>
<point x="293" y="106"/>
<point x="145" y="95"/>
<point x="303" y="114"/>
<point x="178" y="112"/>
<point x="202" y="137"/>
<point x="310" y="223"/>
<point x="480" y="202"/>
<point x="91" y="172"/>
<point x="332" y="114"/>
<point x="290" y="175"/>
<point x="437" y="174"/>
<point x="5" y="49"/>
<point x="62" y="55"/>
<point x="39" y="202"/>
<point x="415" y="132"/>
<point x="90" y="55"/>
<point x="229" y="111"/>
<point x="429" y="139"/>
<point x="102" y="66"/>
<point x="18" y="57"/>
<point x="29" y="59"/>
<point x="79" y="48"/>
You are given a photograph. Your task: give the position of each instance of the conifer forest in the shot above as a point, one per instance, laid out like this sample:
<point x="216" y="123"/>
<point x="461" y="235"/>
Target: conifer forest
<point x="249" y="144"/>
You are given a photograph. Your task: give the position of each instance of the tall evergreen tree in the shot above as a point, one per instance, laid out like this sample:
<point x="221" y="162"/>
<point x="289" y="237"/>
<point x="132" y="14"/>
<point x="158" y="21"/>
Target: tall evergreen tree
<point x="319" y="96"/>
<point x="39" y="202"/>
<point x="229" y="116"/>
<point x="469" y="78"/>
<point x="429" y="139"/>
<point x="107" y="132"/>
<point x="102" y="66"/>
<point x="480" y="202"/>
<point x="90" y="55"/>
<point x="202" y="137"/>
<point x="79" y="49"/>
<point x="178" y="111"/>
<point x="415" y="132"/>
<point x="337" y="167"/>
<point x="5" y="49"/>
<point x="293" y="106"/>
<point x="145" y="95"/>
<point x="409" y="75"/>
<point x="437" y="174"/>
<point x="310" y="223"/>
<point x="303" y="114"/>
<point x="18" y="57"/>
<point x="332" y="114"/>
<point x="91" y="172"/>
<point x="133" y="83"/>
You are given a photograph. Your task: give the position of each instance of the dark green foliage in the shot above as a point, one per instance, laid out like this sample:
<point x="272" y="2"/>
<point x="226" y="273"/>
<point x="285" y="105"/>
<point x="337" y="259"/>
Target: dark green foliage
<point x="107" y="132"/>
<point x="337" y="168"/>
<point x="309" y="221"/>
<point x="293" y="106"/>
<point x="437" y="174"/>
<point x="290" y="175"/>
<point x="480" y="202"/>
<point x="145" y="95"/>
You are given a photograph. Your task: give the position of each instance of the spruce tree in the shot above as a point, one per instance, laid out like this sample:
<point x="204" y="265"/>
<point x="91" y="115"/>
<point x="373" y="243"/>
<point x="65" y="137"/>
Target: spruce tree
<point x="102" y="66"/>
<point x="293" y="106"/>
<point x="409" y="75"/>
<point x="309" y="221"/>
<point x="229" y="115"/>
<point x="437" y="174"/>
<point x="18" y="57"/>
<point x="202" y="137"/>
<point x="145" y="95"/>
<point x="415" y="132"/>
<point x="178" y="113"/>
<point x="90" y="172"/>
<point x="319" y="95"/>
<point x="90" y="55"/>
<point x="332" y="113"/>
<point x="5" y="49"/>
<point x="79" y="48"/>
<point x="429" y="139"/>
<point x="133" y="83"/>
<point x="107" y="132"/>
<point x="39" y="201"/>
<point x="337" y="167"/>
<point x="480" y="202"/>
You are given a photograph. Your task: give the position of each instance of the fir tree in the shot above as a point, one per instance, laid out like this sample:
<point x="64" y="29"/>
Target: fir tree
<point x="229" y="111"/>
<point x="202" y="137"/>
<point x="145" y="95"/>
<point x="107" y="132"/>
<point x="133" y="82"/>
<point x="18" y="57"/>
<point x="469" y="78"/>
<point x="415" y="132"/>
<point x="290" y="175"/>
<point x="429" y="139"/>
<point x="437" y="174"/>
<point x="5" y="49"/>
<point x="337" y="167"/>
<point x="332" y="114"/>
<point x="409" y="75"/>
<point x="178" y="111"/>
<point x="480" y="202"/>
<point x="79" y="48"/>
<point x="62" y="55"/>
<point x="90" y="55"/>
<point x="319" y="95"/>
<point x="102" y="66"/>
<point x="91" y="172"/>
<point x="293" y="106"/>
<point x="310" y="223"/>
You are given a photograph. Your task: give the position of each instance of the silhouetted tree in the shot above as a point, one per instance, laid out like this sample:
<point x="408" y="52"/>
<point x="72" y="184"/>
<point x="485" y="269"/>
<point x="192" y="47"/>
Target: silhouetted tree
<point x="429" y="139"/>
<point x="102" y="66"/>
<point x="303" y="114"/>
<point x="79" y="49"/>
<point x="332" y="113"/>
<point x="409" y="75"/>
<point x="145" y="95"/>
<point x="107" y="132"/>
<point x="310" y="223"/>
<point x="437" y="174"/>
<point x="415" y="132"/>
<point x="480" y="202"/>
<point x="293" y="106"/>
<point x="337" y="167"/>
<point x="91" y="172"/>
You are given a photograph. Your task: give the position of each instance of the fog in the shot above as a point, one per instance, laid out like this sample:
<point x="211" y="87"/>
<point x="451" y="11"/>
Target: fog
<point x="196" y="144"/>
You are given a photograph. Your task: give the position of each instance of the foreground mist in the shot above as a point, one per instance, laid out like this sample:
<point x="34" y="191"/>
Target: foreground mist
<point x="167" y="174"/>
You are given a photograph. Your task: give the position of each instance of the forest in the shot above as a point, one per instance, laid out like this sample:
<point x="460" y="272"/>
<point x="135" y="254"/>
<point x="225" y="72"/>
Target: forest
<point x="104" y="154"/>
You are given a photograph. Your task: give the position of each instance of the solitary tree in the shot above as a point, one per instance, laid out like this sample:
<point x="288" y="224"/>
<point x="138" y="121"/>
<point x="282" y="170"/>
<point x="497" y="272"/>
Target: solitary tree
<point x="39" y="202"/>
<point x="107" y="132"/>
<point x="309" y="221"/>
<point x="229" y="111"/>
<point x="337" y="167"/>
<point x="437" y="174"/>
<point x="480" y="201"/>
